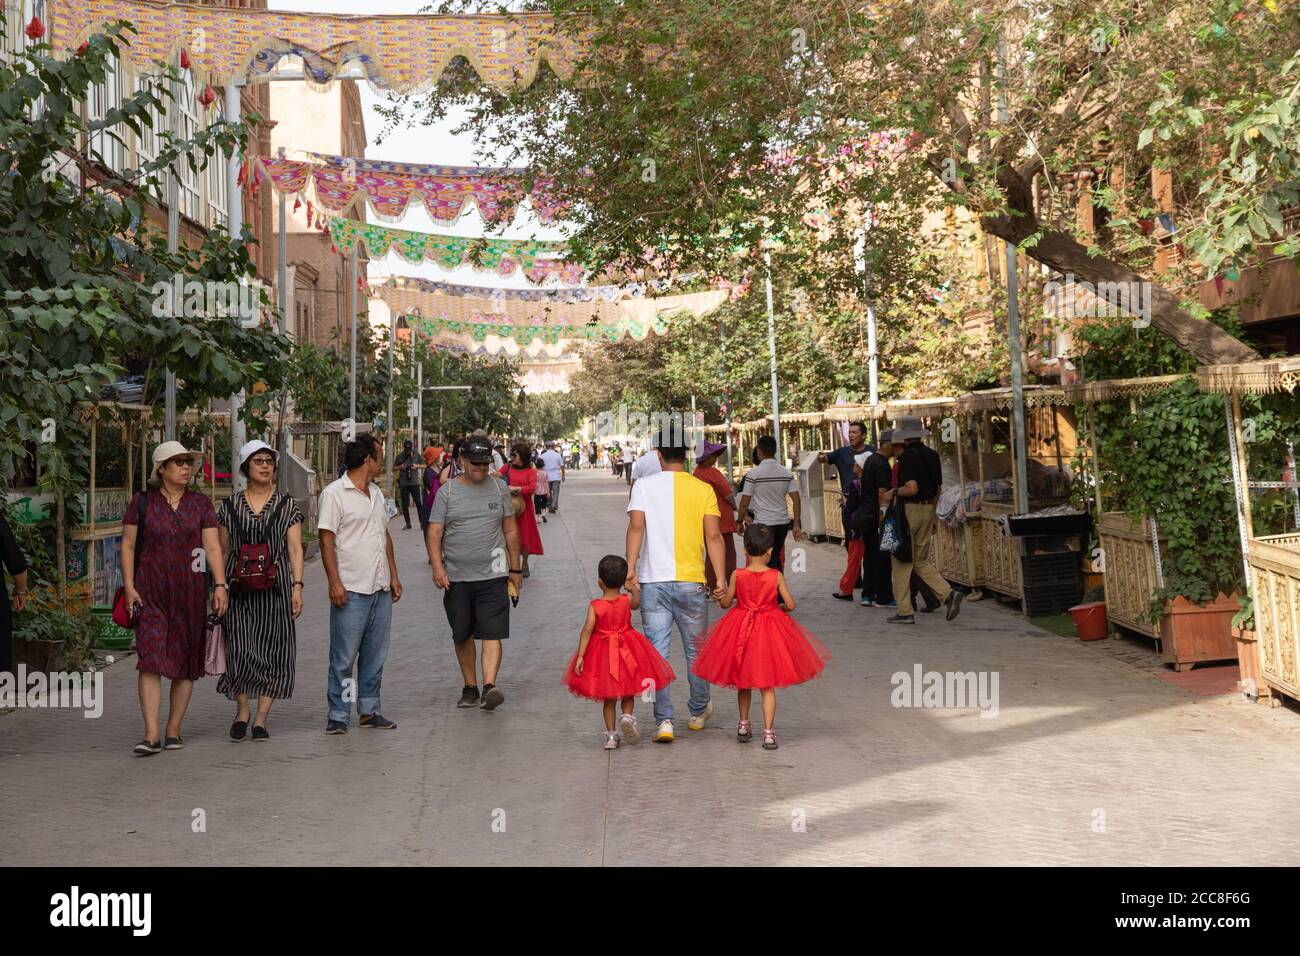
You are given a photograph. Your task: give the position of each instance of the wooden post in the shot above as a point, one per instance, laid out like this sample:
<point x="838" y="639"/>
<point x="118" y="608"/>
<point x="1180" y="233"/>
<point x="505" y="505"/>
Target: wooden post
<point x="1094" y="458"/>
<point x="967" y="550"/>
<point x="1243" y="466"/>
<point x="130" y="459"/>
<point x="90" y="544"/>
<point x="61" y="547"/>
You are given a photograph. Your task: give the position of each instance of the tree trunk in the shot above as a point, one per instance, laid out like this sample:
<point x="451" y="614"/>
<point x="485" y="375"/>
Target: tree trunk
<point x="1059" y="250"/>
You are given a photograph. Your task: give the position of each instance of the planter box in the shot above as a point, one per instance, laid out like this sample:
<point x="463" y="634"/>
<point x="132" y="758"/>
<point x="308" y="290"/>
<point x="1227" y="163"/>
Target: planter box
<point x="310" y="549"/>
<point x="1252" y="669"/>
<point x="1191" y="633"/>
<point x="38" y="655"/>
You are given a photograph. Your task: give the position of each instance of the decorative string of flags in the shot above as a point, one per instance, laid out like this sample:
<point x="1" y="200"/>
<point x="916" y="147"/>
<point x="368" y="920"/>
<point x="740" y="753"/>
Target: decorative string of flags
<point x="548" y="334"/>
<point x="446" y="191"/>
<point x="591" y="293"/>
<point x="540" y="260"/>
<point x="400" y="53"/>
<point x="488" y="314"/>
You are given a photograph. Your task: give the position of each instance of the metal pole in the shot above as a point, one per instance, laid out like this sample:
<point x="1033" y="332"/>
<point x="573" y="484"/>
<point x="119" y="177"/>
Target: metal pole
<point x="771" y="348"/>
<point x="235" y="222"/>
<point x="726" y="397"/>
<point x="173" y="244"/>
<point x="419" y="402"/>
<point x="873" y="368"/>
<point x="1240" y="479"/>
<point x="282" y="283"/>
<point x="352" y="319"/>
<point x="1018" y="451"/>
<point x="388" y="421"/>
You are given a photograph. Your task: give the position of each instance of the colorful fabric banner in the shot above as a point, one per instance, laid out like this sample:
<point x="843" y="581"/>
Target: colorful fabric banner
<point x="446" y="191"/>
<point x="539" y="260"/>
<point x="605" y="293"/>
<point x="409" y="298"/>
<point x="548" y="334"/>
<point x="400" y="53"/>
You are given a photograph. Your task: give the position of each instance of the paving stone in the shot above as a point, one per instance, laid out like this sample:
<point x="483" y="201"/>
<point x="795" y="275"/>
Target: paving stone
<point x="1091" y="760"/>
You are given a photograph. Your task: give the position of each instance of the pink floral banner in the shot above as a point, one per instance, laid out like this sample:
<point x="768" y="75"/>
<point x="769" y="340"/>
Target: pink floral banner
<point x="446" y="191"/>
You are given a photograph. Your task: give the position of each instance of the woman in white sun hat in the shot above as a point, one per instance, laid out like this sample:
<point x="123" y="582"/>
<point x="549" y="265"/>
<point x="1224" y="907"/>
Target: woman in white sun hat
<point x="261" y="644"/>
<point x="169" y="545"/>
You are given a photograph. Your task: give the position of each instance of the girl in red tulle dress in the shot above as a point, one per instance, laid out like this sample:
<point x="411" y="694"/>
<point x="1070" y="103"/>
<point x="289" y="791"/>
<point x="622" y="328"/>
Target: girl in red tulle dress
<point x="614" y="662"/>
<point x="757" y="644"/>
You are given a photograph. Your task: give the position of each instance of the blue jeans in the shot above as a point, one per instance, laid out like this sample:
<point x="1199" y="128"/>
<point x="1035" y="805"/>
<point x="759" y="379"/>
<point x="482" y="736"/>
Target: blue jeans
<point x="685" y="602"/>
<point x="359" y="634"/>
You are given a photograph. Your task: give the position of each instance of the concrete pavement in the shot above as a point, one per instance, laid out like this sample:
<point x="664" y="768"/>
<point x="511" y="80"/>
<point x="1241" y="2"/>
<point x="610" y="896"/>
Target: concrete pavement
<point x="1088" y="761"/>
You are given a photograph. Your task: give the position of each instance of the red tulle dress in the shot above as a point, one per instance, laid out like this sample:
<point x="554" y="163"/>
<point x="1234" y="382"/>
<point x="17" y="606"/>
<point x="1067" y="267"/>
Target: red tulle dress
<point x="756" y="644"/>
<point x="619" y="660"/>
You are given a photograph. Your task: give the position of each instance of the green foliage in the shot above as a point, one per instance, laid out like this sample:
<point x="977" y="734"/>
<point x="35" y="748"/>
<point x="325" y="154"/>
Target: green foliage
<point x="78" y="269"/>
<point x="545" y="416"/>
<point x="1170" y="461"/>
<point x="54" y="624"/>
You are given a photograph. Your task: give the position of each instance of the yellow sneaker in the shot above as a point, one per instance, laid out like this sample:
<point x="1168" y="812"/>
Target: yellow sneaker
<point x="698" y="721"/>
<point x="664" y="735"/>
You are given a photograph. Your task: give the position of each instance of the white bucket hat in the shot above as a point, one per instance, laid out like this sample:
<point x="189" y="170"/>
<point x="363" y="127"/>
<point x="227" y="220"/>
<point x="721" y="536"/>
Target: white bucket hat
<point x="166" y="452"/>
<point x="249" y="449"/>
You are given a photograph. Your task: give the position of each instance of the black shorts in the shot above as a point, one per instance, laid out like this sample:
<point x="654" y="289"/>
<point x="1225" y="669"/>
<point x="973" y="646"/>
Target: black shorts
<point x="478" y="609"/>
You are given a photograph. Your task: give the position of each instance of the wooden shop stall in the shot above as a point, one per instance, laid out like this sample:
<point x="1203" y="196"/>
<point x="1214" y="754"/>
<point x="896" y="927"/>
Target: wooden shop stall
<point x="1130" y="549"/>
<point x="1272" y="562"/>
<point x="974" y="544"/>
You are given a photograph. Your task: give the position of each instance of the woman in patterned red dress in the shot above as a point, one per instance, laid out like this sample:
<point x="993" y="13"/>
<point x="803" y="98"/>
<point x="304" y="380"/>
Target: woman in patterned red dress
<point x="521" y="474"/>
<point x="170" y="583"/>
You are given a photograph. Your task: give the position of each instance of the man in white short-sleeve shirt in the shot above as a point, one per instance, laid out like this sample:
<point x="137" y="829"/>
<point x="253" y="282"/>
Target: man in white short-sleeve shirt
<point x="357" y="553"/>
<point x="553" y="462"/>
<point x="766" y="486"/>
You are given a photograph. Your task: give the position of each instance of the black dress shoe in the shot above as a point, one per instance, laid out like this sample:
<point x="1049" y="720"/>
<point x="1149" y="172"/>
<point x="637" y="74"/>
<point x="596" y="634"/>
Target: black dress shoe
<point x="842" y="597"/>
<point x="238" y="730"/>
<point x="260" y="733"/>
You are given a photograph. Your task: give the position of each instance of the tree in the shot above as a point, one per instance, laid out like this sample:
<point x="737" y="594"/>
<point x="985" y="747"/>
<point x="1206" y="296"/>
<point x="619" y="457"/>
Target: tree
<point x="700" y="127"/>
<point x="79" y="266"/>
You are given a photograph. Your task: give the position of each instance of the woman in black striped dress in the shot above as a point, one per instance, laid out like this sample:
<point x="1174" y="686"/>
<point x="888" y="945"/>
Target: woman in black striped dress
<point x="260" y="642"/>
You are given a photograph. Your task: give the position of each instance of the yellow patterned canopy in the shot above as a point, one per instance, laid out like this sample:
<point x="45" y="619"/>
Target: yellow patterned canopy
<point x="400" y="53"/>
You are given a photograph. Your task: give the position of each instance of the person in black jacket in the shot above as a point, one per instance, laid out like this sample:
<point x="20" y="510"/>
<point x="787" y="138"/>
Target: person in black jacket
<point x="11" y="556"/>
<point x="917" y="484"/>
<point x="408" y="481"/>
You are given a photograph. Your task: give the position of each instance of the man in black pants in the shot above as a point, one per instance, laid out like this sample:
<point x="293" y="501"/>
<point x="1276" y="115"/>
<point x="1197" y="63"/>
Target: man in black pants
<point x="408" y="481"/>
<point x="768" y="484"/>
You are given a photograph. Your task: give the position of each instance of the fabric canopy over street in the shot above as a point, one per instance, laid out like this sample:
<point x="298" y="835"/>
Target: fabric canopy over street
<point x="408" y="298"/>
<point x="589" y="293"/>
<point x="400" y="53"/>
<point x="539" y="260"/>
<point x="446" y="191"/>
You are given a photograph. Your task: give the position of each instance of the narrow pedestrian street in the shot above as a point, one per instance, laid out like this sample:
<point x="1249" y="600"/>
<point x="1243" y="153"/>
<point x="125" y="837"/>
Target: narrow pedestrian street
<point x="1088" y="760"/>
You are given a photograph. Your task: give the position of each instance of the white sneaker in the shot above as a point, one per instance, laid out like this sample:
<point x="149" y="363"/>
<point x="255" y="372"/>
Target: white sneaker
<point x="611" y="740"/>
<point x="664" y="735"/>
<point x="698" y="721"/>
<point x="627" y="724"/>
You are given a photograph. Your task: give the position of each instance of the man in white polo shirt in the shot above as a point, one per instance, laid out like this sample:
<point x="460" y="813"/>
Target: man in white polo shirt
<point x="766" y="485"/>
<point x="357" y="553"/>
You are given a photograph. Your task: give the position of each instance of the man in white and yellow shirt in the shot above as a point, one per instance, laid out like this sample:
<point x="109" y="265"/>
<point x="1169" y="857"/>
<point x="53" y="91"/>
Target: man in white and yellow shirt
<point x="673" y="520"/>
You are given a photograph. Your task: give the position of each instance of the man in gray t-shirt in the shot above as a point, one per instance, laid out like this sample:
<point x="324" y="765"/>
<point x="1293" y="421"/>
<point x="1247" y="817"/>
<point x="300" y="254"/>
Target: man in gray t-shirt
<point x="474" y="549"/>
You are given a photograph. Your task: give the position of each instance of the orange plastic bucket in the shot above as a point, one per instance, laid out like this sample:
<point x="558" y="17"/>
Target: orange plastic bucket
<point x="1090" y="620"/>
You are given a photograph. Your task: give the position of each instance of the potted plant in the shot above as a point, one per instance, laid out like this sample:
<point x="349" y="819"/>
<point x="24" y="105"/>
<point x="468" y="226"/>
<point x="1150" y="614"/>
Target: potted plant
<point x="310" y="545"/>
<point x="1251" y="682"/>
<point x="52" y="639"/>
